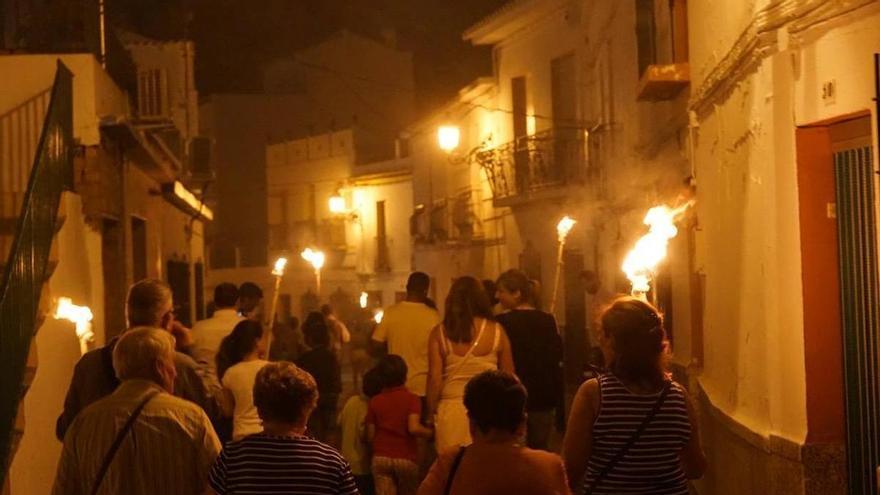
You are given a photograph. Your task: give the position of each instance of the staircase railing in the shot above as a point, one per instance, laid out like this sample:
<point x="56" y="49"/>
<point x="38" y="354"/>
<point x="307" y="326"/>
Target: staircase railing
<point x="27" y="265"/>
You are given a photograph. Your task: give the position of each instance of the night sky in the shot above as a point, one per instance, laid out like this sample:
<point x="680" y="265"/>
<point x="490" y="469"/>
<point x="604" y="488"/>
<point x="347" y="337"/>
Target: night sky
<point x="234" y="38"/>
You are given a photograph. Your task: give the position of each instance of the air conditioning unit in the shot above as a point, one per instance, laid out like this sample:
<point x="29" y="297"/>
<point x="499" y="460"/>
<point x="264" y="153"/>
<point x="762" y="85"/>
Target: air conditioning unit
<point x="200" y="169"/>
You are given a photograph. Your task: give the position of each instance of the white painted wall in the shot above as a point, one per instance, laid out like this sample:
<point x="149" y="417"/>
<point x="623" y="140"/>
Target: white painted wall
<point x="78" y="276"/>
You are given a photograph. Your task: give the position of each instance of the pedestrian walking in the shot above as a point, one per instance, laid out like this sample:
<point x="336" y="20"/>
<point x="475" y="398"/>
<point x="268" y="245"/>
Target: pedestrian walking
<point x="405" y="330"/>
<point x="321" y="362"/>
<point x="393" y="425"/>
<point x="644" y="438"/>
<point x="465" y="344"/>
<point x="282" y="459"/>
<point x="149" y="303"/>
<point x="250" y="301"/>
<point x="207" y="334"/>
<point x="495" y="462"/>
<point x="354" y="445"/>
<point x="339" y="334"/>
<point x="537" y="354"/>
<point x="124" y="442"/>
<point x="239" y="359"/>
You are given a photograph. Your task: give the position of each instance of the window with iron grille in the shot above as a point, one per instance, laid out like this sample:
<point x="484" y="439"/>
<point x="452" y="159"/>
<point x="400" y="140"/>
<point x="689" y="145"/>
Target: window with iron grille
<point x="152" y="98"/>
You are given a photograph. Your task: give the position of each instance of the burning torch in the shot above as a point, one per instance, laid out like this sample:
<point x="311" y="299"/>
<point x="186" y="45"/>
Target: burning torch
<point x="278" y="272"/>
<point x="562" y="229"/>
<point x="316" y="259"/>
<point x="651" y="249"/>
<point x="363" y="300"/>
<point x="81" y="316"/>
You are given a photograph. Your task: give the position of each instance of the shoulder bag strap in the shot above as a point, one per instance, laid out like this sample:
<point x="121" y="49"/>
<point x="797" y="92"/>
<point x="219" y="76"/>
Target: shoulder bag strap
<point x="108" y="459"/>
<point x="452" y="471"/>
<point x="632" y="440"/>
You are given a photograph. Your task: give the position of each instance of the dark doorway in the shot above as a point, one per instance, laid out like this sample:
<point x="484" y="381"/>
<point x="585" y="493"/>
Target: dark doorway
<point x="178" y="279"/>
<point x="115" y="291"/>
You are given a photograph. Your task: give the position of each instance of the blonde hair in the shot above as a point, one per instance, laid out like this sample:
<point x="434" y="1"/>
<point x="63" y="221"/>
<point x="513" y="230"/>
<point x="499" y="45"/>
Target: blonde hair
<point x="137" y="351"/>
<point x="146" y="302"/>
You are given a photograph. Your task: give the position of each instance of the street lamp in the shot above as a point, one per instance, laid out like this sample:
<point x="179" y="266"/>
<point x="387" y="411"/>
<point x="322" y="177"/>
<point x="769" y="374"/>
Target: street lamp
<point x="316" y="259"/>
<point x="448" y="137"/>
<point x="337" y="205"/>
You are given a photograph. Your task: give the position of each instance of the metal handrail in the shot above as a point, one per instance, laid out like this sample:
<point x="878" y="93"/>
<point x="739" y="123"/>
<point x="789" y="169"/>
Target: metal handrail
<point x="28" y="262"/>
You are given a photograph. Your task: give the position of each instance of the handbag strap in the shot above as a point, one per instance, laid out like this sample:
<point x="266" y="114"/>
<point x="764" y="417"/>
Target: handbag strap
<point x="632" y="440"/>
<point x="105" y="465"/>
<point x="452" y="471"/>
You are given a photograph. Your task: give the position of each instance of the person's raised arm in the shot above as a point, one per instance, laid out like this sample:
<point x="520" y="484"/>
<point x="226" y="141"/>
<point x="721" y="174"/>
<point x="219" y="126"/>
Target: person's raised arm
<point x="578" y="442"/>
<point x="693" y="459"/>
<point x="435" y="372"/>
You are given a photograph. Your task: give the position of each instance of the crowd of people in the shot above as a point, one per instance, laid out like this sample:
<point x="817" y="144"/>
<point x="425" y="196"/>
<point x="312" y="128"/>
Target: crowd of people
<point x="466" y="402"/>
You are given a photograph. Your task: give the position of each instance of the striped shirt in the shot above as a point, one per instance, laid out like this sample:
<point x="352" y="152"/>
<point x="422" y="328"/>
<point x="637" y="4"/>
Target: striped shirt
<point x="169" y="449"/>
<point x="264" y="465"/>
<point x="653" y="464"/>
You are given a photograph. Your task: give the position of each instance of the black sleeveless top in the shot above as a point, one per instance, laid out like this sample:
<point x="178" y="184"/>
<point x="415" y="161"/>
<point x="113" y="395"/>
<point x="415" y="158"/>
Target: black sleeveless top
<point x="652" y="465"/>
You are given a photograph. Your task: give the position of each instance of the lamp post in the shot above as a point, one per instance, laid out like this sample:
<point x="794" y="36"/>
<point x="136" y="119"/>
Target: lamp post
<point x="81" y="316"/>
<point x="316" y="259"/>
<point x="562" y="229"/>
<point x="278" y="272"/>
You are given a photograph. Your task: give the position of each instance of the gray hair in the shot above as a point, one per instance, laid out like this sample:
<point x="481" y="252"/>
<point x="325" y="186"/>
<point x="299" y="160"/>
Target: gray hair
<point x="137" y="351"/>
<point x="146" y="302"/>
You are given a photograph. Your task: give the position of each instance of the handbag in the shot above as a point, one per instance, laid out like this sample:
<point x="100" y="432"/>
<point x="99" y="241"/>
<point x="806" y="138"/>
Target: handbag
<point x="105" y="465"/>
<point x="455" y="463"/>
<point x="632" y="440"/>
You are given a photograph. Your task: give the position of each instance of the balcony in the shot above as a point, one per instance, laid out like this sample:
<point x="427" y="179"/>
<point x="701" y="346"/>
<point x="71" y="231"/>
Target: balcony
<point x="537" y="166"/>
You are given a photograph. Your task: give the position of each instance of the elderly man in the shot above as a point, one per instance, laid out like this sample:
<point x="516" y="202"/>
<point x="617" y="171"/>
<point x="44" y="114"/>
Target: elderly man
<point x="140" y="439"/>
<point x="149" y="304"/>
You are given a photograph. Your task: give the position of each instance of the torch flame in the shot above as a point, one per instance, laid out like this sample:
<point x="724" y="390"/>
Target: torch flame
<point x="564" y="227"/>
<point x="650" y="250"/>
<point x="280" y="265"/>
<point x="363" y="299"/>
<point x="79" y="315"/>
<point x="378" y="316"/>
<point x="315" y="258"/>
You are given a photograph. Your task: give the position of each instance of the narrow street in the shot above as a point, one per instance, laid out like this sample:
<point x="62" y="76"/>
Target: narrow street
<point x="650" y="225"/>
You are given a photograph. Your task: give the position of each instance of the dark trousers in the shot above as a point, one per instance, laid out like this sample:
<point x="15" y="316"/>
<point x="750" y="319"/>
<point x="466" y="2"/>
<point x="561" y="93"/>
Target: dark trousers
<point x="364" y="483"/>
<point x="323" y="419"/>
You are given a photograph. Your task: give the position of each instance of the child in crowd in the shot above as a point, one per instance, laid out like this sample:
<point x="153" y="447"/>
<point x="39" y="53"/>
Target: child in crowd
<point x="393" y="423"/>
<point x="352" y="423"/>
<point x="322" y="364"/>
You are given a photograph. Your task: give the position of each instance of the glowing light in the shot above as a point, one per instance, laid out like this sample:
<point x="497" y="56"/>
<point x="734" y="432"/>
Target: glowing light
<point x="448" y="136"/>
<point x="280" y="265"/>
<point x="378" y="316"/>
<point x="363" y="300"/>
<point x="337" y="204"/>
<point x="651" y="249"/>
<point x="81" y="316"/>
<point x="564" y="227"/>
<point x="315" y="258"/>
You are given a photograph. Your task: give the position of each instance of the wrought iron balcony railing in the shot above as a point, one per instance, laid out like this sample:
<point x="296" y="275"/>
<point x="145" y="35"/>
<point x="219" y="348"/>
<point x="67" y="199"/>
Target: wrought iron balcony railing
<point x="547" y="159"/>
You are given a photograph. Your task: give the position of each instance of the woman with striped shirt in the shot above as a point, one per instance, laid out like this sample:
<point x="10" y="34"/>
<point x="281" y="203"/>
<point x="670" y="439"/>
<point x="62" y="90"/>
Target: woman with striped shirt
<point x="633" y="429"/>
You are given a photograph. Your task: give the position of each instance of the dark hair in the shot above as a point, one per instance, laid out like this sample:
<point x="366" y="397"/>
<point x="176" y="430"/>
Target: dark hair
<point x="239" y="343"/>
<point x="495" y="400"/>
<point x="225" y="295"/>
<point x="250" y="290"/>
<point x="315" y="330"/>
<point x="639" y="340"/>
<point x="466" y="301"/>
<point x="490" y="288"/>
<point x="517" y="281"/>
<point x="392" y="369"/>
<point x="372" y="382"/>
<point x="418" y="282"/>
<point x="283" y="392"/>
<point x="326" y="310"/>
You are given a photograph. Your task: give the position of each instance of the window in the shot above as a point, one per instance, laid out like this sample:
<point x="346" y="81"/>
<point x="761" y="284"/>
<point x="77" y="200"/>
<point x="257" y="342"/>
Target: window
<point x="661" y="37"/>
<point x="152" y="90"/>
<point x="382" y="261"/>
<point x="646" y="34"/>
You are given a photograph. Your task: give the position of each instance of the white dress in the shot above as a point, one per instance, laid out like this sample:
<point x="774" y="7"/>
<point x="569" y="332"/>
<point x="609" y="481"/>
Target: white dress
<point x="452" y="424"/>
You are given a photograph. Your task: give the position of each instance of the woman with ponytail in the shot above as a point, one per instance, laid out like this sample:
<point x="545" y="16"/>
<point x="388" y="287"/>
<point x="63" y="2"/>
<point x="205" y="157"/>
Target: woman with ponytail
<point x="239" y="359"/>
<point x="467" y="343"/>
<point x="644" y="438"/>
